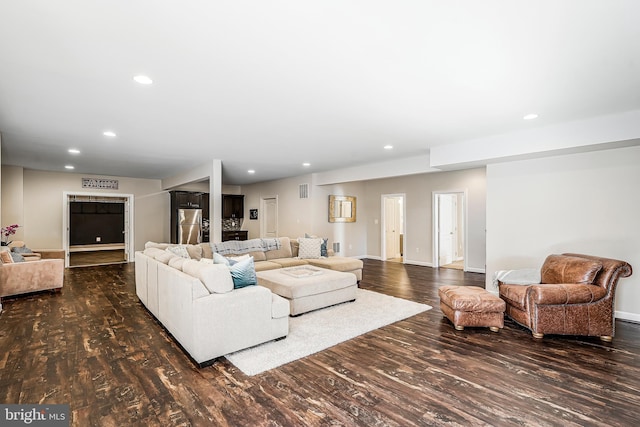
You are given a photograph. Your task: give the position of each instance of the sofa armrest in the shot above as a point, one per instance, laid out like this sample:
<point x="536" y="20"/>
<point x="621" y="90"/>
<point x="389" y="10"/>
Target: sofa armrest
<point x="50" y="253"/>
<point x="564" y="293"/>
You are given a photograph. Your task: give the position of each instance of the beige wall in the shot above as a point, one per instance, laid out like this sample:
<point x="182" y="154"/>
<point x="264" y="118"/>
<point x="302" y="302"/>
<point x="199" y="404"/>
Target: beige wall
<point x="12" y="199"/>
<point x="418" y="190"/>
<point x="584" y="203"/>
<point x="299" y="216"/>
<point x="362" y="238"/>
<point x="41" y="209"/>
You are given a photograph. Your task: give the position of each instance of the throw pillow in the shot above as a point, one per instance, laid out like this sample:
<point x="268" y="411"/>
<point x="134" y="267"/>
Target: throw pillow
<point x="323" y="247"/>
<point x="21" y="250"/>
<point x="177" y="262"/>
<point x="219" y="259"/>
<point x="243" y="273"/>
<point x="235" y="259"/>
<point x="17" y="257"/>
<point x="5" y="257"/>
<point x="180" y="250"/>
<point x="309" y="248"/>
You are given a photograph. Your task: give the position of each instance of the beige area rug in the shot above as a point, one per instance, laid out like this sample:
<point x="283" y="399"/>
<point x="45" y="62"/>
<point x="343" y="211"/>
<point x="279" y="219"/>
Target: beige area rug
<point x="318" y="330"/>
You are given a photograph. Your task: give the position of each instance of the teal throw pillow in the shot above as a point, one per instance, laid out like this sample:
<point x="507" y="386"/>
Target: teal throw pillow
<point x="243" y="273"/>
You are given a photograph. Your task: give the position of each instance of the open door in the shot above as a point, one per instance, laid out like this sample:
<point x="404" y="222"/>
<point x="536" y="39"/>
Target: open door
<point x="449" y="225"/>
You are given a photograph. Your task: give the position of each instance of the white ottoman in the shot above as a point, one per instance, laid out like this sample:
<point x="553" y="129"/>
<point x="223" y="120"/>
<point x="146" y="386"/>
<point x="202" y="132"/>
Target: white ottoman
<point x="309" y="288"/>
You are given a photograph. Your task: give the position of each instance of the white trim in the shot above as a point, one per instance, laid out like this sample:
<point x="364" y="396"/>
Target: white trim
<point x="475" y="270"/>
<point x="632" y="317"/>
<point x="421" y="263"/>
<point x="65" y="220"/>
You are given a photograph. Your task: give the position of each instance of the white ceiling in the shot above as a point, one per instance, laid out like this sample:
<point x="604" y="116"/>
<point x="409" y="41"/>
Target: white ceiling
<point x="268" y="85"/>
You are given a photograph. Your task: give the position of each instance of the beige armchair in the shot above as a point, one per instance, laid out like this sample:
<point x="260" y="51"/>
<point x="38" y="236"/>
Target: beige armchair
<point x="44" y="273"/>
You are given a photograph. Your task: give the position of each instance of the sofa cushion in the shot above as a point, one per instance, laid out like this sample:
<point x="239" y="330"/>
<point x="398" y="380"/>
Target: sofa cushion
<point x="177" y="262"/>
<point x="165" y="256"/>
<point x="266" y="265"/>
<point x="337" y="263"/>
<point x="243" y="273"/>
<point x="206" y="250"/>
<point x="289" y="262"/>
<point x="309" y="248"/>
<point x="568" y="269"/>
<point x="215" y="277"/>
<point x="283" y="252"/>
<point x="180" y="250"/>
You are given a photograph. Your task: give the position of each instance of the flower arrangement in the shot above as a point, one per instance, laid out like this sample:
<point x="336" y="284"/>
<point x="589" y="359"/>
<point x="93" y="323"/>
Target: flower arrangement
<point x="7" y="231"/>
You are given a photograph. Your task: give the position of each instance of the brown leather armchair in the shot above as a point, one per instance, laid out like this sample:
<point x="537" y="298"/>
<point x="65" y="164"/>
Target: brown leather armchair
<point x="575" y="296"/>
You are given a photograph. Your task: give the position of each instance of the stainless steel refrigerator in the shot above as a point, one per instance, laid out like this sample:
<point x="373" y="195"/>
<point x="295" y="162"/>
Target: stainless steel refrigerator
<point x="189" y="226"/>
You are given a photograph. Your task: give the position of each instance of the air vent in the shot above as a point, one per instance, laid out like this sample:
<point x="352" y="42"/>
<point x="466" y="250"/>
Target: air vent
<point x="304" y="191"/>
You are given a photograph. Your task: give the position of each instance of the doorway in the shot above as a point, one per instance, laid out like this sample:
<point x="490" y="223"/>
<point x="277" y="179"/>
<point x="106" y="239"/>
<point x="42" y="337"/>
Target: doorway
<point x="449" y="222"/>
<point x="269" y="222"/>
<point x="393" y="227"/>
<point x="97" y="229"/>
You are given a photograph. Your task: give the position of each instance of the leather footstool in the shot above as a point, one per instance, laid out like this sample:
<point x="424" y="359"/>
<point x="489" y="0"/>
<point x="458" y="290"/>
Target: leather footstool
<point x="472" y="306"/>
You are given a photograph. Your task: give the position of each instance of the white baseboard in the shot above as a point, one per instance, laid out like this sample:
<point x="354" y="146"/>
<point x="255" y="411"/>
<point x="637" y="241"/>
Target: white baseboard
<point x="422" y="263"/>
<point x="632" y="317"/>
<point x="476" y="270"/>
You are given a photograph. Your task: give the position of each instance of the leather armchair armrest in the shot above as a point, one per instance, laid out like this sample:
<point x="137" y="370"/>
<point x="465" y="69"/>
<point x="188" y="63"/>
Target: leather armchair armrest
<point x="564" y="293"/>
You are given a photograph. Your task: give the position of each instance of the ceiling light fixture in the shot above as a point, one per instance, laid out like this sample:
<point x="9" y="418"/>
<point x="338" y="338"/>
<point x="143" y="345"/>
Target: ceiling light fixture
<point x="251" y="171"/>
<point x="530" y="116"/>
<point x="109" y="134"/>
<point x="306" y="164"/>
<point x="74" y="151"/>
<point x="388" y="147"/>
<point x="69" y="167"/>
<point x="143" y="80"/>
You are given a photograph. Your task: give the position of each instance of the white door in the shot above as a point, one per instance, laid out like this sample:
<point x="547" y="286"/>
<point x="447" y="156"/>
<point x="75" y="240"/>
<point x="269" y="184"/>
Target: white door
<point x="392" y="225"/>
<point x="446" y="224"/>
<point x="269" y="225"/>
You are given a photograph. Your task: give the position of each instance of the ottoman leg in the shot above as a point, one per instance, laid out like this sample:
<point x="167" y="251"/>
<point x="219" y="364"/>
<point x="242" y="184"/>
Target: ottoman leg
<point x="494" y="329"/>
<point x="459" y="328"/>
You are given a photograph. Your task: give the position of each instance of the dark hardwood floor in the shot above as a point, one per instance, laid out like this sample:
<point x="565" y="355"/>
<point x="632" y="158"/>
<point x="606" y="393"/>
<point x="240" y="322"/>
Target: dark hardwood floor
<point x="95" y="347"/>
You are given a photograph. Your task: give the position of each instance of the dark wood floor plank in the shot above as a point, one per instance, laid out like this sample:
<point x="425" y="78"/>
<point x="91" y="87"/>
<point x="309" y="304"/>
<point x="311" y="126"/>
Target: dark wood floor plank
<point x="95" y="347"/>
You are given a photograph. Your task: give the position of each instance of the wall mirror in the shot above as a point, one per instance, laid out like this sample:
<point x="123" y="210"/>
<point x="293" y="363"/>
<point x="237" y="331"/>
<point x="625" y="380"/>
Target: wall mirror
<point x="342" y="209"/>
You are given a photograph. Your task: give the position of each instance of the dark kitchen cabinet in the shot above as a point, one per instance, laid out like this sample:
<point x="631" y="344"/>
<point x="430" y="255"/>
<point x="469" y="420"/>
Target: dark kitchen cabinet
<point x="205" y="217"/>
<point x="186" y="200"/>
<point x="234" y="235"/>
<point x="232" y="206"/>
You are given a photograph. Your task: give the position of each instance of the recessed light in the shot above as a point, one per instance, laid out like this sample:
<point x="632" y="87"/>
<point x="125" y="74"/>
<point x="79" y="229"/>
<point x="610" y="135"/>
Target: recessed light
<point x="530" y="116"/>
<point x="388" y="147"/>
<point x="143" y="80"/>
<point x="109" y="134"/>
<point x="251" y="171"/>
<point x="69" y="167"/>
<point x="306" y="164"/>
<point x="74" y="151"/>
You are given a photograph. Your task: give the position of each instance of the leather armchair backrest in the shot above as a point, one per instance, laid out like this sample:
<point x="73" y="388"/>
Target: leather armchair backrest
<point x="569" y="269"/>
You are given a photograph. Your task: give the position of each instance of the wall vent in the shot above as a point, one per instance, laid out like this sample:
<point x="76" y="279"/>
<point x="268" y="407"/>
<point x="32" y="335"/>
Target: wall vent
<point x="304" y="191"/>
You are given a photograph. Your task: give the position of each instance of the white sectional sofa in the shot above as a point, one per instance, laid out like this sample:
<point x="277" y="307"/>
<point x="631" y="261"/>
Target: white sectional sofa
<point x="200" y="308"/>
